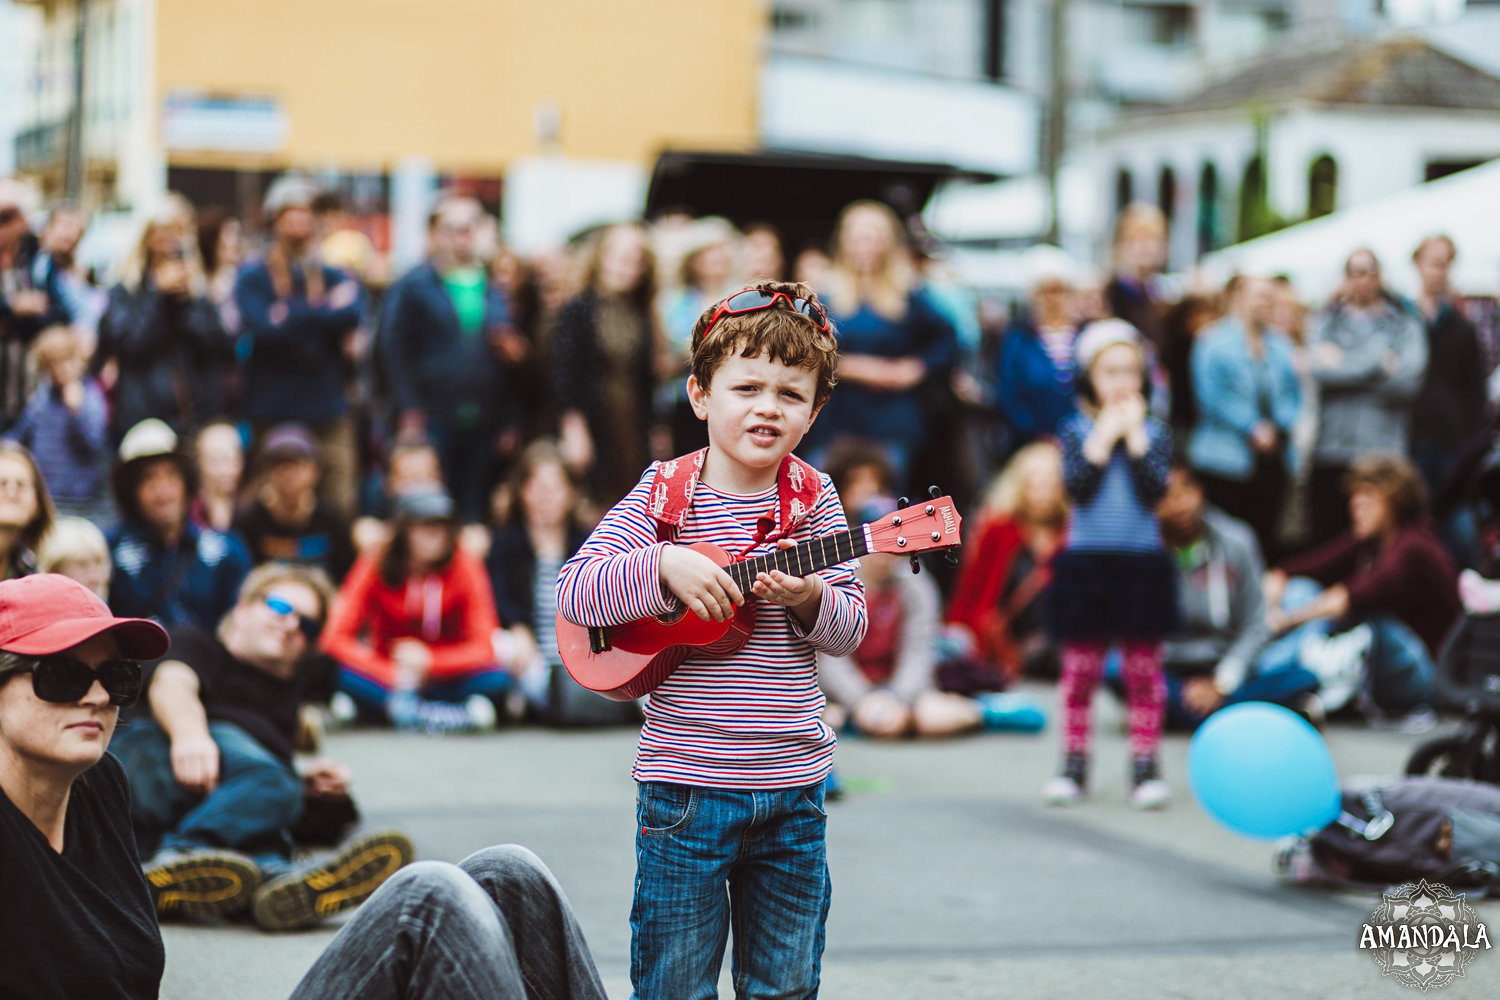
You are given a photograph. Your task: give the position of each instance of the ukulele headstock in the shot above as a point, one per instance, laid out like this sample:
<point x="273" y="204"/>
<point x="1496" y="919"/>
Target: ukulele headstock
<point x="930" y="526"/>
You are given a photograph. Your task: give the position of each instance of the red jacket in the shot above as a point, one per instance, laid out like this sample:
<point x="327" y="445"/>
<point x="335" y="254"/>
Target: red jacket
<point x="978" y="594"/>
<point x="452" y="611"/>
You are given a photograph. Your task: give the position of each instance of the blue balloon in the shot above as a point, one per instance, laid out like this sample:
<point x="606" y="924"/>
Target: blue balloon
<point x="1263" y="772"/>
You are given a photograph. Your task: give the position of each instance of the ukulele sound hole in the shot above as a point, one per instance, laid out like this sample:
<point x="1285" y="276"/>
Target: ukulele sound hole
<point x="674" y="616"/>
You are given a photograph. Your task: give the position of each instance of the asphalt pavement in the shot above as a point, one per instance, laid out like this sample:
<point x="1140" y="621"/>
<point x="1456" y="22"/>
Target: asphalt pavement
<point x="950" y="879"/>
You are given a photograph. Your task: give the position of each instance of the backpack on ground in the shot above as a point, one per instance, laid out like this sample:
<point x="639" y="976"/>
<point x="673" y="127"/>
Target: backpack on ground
<point x="1398" y="829"/>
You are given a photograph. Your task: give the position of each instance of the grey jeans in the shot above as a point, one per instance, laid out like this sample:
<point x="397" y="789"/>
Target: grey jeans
<point x="496" y="926"/>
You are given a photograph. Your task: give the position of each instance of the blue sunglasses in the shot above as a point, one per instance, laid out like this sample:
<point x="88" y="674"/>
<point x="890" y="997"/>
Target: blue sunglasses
<point x="311" y="627"/>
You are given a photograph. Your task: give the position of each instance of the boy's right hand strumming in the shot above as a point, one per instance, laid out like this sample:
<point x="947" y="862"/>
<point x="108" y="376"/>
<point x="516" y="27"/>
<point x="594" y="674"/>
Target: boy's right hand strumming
<point x="703" y="586"/>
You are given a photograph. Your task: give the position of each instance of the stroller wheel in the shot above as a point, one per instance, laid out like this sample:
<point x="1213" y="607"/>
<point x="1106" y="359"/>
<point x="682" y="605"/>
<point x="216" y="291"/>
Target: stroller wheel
<point x="1446" y="757"/>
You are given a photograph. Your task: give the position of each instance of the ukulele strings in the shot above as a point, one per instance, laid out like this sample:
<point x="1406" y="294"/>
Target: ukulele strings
<point x="808" y="557"/>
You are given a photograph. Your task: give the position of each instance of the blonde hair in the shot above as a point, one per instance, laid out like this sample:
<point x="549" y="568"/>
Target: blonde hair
<point x="887" y="292"/>
<point x="1005" y="495"/>
<point x="52" y="345"/>
<point x="175" y="210"/>
<point x="263" y="579"/>
<point x="1139" y="218"/>
<point x="71" y="538"/>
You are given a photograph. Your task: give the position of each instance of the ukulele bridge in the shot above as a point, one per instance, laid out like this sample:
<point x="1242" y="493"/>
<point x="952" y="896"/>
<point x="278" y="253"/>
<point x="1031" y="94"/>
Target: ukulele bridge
<point x="599" y="640"/>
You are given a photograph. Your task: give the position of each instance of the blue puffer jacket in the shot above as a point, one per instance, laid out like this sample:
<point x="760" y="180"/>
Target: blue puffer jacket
<point x="1228" y="398"/>
<point x="1034" y="394"/>
<point x="194" y="584"/>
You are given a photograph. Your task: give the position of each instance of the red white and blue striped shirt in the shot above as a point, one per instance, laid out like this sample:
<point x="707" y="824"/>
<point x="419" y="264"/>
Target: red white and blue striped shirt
<point x="744" y="720"/>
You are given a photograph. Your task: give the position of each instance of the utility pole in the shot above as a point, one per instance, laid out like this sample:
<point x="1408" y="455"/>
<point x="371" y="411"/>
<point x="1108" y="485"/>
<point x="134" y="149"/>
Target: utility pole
<point x="1057" y="118"/>
<point x="73" y="180"/>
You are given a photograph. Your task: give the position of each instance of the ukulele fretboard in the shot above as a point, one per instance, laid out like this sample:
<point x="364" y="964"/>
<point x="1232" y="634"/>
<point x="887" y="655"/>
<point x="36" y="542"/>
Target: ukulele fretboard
<point x="808" y="557"/>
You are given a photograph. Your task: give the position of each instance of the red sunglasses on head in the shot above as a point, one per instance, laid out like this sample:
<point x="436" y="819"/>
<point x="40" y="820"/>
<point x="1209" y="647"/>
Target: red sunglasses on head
<point x="753" y="300"/>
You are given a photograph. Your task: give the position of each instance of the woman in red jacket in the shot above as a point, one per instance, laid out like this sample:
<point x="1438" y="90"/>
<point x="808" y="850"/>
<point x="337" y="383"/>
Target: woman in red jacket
<point x="999" y="589"/>
<point x="414" y="624"/>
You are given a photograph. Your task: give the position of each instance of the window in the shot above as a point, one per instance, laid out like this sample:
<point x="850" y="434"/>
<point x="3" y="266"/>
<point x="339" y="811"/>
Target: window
<point x="1124" y="189"/>
<point x="1322" y="186"/>
<point x="1438" y="169"/>
<point x="791" y="19"/>
<point x="1208" y="209"/>
<point x="1166" y="192"/>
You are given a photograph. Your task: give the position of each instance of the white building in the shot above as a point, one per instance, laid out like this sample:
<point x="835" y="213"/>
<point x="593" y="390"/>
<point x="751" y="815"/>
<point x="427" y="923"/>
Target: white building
<point x="1306" y="131"/>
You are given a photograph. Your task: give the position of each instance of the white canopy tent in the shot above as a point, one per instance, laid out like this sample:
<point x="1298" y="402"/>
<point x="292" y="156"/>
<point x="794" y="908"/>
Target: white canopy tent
<point x="1465" y="206"/>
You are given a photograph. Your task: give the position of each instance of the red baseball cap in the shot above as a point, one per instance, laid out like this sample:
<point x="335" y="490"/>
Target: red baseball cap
<point x="48" y="613"/>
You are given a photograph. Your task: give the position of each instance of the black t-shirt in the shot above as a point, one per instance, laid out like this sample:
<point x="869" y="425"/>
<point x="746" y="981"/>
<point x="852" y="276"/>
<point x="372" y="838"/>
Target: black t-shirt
<point x="80" y="923"/>
<point x="323" y="541"/>
<point x="231" y="691"/>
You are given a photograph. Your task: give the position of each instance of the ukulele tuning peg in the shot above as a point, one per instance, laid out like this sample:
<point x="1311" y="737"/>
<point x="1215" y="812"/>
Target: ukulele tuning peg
<point x="903" y="501"/>
<point x="916" y="565"/>
<point x="934" y="492"/>
<point x="951" y="558"/>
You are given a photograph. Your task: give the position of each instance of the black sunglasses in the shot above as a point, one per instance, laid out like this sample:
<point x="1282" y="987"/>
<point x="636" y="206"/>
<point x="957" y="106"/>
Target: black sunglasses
<point x="65" y="680"/>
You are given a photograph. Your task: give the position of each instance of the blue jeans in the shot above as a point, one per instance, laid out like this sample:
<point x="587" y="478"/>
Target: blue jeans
<point x="1398" y="670"/>
<point x="709" y="856"/>
<point x="370" y="695"/>
<point x="257" y="798"/>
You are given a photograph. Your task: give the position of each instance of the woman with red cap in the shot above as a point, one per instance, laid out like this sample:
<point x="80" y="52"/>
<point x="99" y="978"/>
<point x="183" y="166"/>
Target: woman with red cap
<point x="70" y="882"/>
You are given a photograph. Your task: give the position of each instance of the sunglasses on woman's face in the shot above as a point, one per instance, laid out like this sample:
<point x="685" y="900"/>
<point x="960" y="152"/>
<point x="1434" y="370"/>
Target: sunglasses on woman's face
<point x="65" y="680"/>
<point x="311" y="627"/>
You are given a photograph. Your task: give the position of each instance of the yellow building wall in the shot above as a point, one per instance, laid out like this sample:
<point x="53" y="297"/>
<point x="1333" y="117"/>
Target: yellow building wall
<point x="368" y="82"/>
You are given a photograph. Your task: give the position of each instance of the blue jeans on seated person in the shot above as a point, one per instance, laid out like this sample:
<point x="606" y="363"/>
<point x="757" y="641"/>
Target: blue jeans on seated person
<point x="257" y="798"/>
<point x="1285" y="687"/>
<point x="709" y="857"/>
<point x="1398" y="670"/>
<point x="370" y="696"/>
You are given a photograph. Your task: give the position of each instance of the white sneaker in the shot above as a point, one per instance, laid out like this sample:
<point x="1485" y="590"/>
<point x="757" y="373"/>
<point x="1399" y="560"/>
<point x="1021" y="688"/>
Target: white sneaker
<point x="481" y="712"/>
<point x="1062" y="791"/>
<point x="1151" y="794"/>
<point x="342" y="708"/>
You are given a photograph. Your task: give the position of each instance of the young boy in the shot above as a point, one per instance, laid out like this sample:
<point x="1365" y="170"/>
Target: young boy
<point x="733" y="754"/>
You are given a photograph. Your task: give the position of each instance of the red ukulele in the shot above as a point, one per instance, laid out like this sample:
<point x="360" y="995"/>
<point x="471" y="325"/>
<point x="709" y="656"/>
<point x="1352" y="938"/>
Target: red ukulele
<point x="624" y="662"/>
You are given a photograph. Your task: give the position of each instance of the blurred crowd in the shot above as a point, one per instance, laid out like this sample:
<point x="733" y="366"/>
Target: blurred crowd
<point x="437" y="445"/>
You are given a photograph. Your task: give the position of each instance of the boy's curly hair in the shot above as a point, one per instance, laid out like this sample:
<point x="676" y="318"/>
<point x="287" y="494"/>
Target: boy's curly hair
<point x="790" y="337"/>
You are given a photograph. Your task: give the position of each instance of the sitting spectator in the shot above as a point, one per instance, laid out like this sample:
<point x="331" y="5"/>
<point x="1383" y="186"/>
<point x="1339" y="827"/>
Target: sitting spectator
<point x="887" y="685"/>
<point x="286" y="521"/>
<point x="77" y="549"/>
<point x="413" y="464"/>
<point x="1212" y="663"/>
<point x="209" y="758"/>
<point x="1389" y="576"/>
<point x="542" y="533"/>
<point x="166" y="567"/>
<point x="220" y="455"/>
<point x="162" y="331"/>
<point x="1000" y="588"/>
<point x="414" y="627"/>
<point x="66" y="426"/>
<point x="861" y="472"/>
<point x="25" y="510"/>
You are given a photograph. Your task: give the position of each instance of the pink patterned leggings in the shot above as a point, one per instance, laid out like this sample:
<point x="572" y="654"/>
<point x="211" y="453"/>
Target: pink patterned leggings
<point x="1145" y="692"/>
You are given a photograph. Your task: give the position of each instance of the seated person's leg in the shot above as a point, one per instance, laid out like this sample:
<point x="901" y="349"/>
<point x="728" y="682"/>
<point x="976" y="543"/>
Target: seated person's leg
<point x="1287" y="687"/>
<point x="937" y="713"/>
<point x="157" y="800"/>
<point x="549" y="944"/>
<point x="491" y="682"/>
<point x="428" y="932"/>
<point x="258" y="796"/>
<point x="883" y="715"/>
<point x="1400" y="668"/>
<point x="370" y="696"/>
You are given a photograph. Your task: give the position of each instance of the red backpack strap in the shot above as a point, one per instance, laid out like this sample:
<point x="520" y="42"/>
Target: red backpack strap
<point x="672" y="493"/>
<point x="798" y="486"/>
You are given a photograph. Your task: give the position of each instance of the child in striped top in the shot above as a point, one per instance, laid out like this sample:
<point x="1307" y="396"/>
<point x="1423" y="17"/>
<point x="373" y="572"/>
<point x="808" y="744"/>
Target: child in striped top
<point x="1113" y="583"/>
<point x="733" y="753"/>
